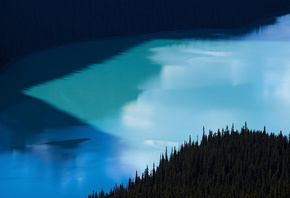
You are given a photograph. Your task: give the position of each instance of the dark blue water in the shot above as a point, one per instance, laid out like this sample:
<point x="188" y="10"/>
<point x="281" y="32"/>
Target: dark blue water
<point x="86" y="116"/>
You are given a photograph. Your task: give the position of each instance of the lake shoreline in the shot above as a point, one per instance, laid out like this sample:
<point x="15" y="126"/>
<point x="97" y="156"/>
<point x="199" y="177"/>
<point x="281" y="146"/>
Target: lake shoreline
<point x="252" y="24"/>
<point x="85" y="116"/>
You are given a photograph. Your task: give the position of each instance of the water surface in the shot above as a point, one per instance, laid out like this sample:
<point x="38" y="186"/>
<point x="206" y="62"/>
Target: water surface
<point x="86" y="116"/>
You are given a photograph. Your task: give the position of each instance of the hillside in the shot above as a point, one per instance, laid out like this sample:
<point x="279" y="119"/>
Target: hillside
<point x="227" y="163"/>
<point x="31" y="25"/>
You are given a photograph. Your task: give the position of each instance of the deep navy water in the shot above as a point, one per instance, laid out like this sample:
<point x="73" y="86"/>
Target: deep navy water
<point x="86" y="116"/>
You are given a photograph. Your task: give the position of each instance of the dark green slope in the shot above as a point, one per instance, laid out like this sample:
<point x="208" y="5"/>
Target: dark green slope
<point x="227" y="163"/>
<point x="27" y="26"/>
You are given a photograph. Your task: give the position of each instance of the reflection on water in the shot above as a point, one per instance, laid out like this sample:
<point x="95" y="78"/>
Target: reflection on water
<point x="94" y="127"/>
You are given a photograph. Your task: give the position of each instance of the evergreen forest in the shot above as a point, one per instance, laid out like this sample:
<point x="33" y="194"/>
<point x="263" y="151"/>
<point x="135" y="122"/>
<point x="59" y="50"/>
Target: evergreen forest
<point x="227" y="163"/>
<point x="31" y="25"/>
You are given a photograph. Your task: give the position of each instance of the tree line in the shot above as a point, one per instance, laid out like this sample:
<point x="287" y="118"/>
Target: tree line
<point x="31" y="25"/>
<point x="227" y="163"/>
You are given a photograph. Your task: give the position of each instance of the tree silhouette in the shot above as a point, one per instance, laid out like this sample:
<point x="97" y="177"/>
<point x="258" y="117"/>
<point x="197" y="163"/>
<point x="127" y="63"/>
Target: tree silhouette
<point x="248" y="163"/>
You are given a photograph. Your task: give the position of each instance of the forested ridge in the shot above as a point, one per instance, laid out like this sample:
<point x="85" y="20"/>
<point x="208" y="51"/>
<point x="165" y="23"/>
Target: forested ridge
<point x="31" y="25"/>
<point x="227" y="163"/>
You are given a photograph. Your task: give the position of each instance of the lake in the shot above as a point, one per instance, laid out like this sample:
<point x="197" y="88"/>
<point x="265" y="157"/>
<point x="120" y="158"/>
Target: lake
<point x="86" y="116"/>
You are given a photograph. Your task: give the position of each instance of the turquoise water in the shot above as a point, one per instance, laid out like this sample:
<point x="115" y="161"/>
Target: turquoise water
<point x="87" y="116"/>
